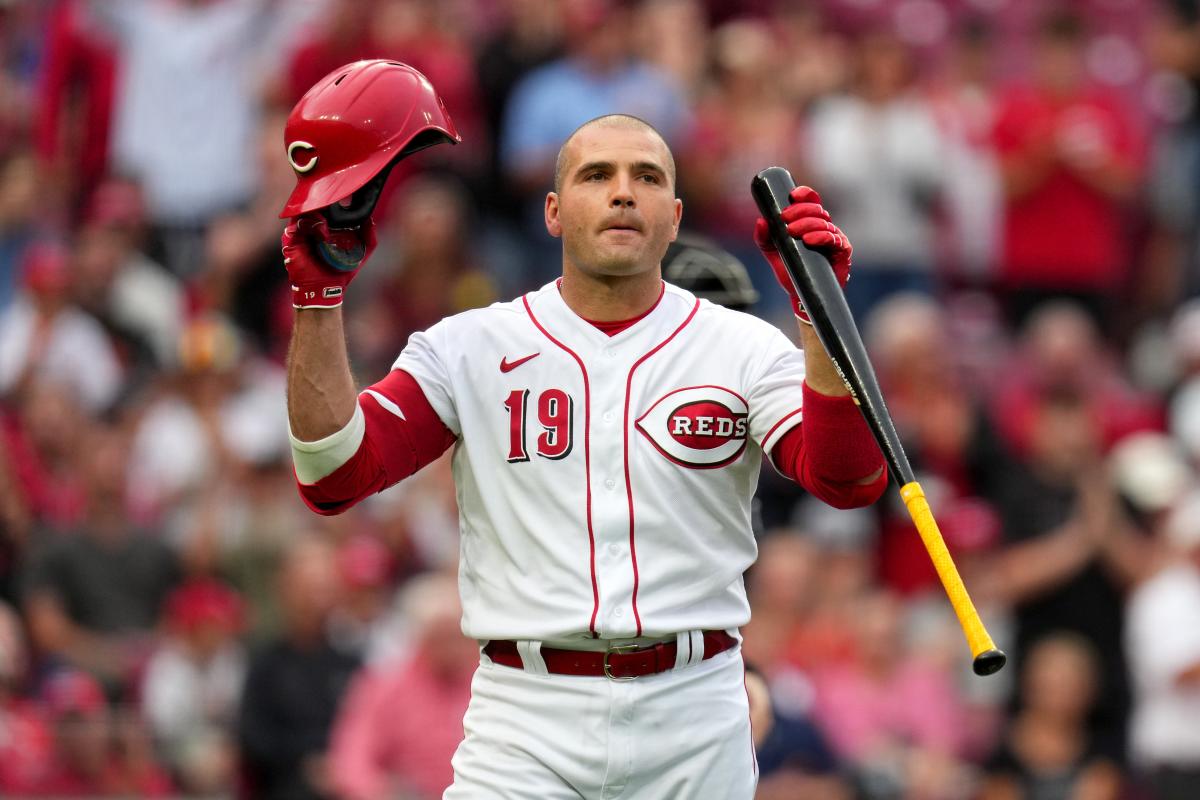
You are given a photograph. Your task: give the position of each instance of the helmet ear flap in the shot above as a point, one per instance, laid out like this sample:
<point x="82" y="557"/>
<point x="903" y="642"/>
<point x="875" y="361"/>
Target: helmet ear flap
<point x="353" y="211"/>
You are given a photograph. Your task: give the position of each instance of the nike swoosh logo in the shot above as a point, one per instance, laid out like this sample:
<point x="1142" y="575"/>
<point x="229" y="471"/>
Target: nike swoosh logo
<point x="509" y="366"/>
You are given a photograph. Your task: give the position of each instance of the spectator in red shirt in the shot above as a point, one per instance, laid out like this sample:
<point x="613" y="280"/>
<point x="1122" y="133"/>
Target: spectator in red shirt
<point x="944" y="428"/>
<point x="86" y="762"/>
<point x="1061" y="352"/>
<point x="26" y="746"/>
<point x="340" y="35"/>
<point x="1069" y="162"/>
<point x="75" y="101"/>
<point x="39" y="439"/>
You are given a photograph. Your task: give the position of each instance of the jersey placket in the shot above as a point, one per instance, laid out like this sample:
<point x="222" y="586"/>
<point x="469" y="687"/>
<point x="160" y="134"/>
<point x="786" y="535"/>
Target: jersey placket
<point x="609" y="364"/>
<point x="617" y="361"/>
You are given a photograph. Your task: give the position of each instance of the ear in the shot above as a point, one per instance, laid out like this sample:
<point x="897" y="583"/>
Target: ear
<point x="553" y="223"/>
<point x="678" y="217"/>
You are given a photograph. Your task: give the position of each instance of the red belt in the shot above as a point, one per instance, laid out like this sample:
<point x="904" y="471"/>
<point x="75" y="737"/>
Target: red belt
<point x="622" y="663"/>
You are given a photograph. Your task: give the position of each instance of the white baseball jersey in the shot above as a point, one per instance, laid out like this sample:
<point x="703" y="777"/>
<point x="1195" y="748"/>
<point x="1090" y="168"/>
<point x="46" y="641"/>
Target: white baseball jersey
<point x="605" y="483"/>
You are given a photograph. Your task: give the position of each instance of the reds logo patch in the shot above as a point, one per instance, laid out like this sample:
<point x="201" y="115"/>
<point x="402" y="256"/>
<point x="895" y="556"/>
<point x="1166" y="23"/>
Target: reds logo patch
<point x="703" y="427"/>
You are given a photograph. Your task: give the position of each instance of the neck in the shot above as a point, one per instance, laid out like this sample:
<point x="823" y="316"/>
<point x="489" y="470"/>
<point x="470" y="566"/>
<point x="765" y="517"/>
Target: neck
<point x="610" y="299"/>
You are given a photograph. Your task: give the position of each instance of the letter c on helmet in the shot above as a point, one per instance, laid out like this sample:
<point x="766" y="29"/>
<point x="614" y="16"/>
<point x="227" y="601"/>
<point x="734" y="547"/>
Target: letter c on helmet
<point x="309" y="165"/>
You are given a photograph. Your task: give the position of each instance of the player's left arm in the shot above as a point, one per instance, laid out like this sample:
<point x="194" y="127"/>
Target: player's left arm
<point x="832" y="452"/>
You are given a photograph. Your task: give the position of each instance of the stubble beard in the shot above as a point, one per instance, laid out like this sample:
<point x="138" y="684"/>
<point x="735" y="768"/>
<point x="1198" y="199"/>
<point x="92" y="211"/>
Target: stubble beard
<point x="594" y="258"/>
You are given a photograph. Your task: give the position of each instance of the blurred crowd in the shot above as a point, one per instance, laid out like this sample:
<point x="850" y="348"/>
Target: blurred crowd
<point x="1021" y="182"/>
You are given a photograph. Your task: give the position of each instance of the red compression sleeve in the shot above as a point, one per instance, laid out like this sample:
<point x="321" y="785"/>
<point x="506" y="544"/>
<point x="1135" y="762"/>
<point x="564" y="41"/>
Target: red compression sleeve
<point x="831" y="451"/>
<point x="393" y="446"/>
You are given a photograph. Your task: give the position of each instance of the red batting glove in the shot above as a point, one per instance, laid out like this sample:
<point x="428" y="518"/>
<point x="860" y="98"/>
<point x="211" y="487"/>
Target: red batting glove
<point x="321" y="262"/>
<point x="808" y="221"/>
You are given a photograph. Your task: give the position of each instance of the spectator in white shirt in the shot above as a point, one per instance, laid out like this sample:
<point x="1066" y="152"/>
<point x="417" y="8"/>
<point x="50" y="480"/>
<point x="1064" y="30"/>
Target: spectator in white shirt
<point x="42" y="336"/>
<point x="1162" y="642"/>
<point x="192" y="685"/>
<point x="877" y="157"/>
<point x="187" y="105"/>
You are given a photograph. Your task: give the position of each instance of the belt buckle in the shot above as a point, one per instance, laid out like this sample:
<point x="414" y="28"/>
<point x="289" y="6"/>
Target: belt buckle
<point x="620" y="648"/>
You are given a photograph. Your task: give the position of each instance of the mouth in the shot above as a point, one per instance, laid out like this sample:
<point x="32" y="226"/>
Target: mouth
<point x="621" y="228"/>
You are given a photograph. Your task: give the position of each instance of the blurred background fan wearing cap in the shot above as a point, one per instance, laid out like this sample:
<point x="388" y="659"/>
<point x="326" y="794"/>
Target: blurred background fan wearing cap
<point x="701" y="266"/>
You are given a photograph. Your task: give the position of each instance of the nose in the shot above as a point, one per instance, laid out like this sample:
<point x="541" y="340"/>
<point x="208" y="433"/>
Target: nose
<point x="622" y="195"/>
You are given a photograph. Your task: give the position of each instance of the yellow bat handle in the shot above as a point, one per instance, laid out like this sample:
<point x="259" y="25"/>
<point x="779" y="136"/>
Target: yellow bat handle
<point x="987" y="658"/>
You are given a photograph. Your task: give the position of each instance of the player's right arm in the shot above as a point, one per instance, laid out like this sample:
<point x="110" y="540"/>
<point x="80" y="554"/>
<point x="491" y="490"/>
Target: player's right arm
<point x="320" y="388"/>
<point x="345" y="445"/>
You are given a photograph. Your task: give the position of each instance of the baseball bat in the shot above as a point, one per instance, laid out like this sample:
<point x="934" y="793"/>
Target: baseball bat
<point x="832" y="322"/>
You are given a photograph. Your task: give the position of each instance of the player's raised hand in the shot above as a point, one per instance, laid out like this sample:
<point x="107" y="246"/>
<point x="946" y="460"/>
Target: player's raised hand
<point x="321" y="261"/>
<point x="808" y="221"/>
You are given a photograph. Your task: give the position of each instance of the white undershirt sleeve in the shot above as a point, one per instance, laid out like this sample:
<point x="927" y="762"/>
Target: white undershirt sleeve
<point x="315" y="460"/>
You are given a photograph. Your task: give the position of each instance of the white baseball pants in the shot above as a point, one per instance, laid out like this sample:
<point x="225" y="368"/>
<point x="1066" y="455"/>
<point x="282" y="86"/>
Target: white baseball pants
<point x="682" y="734"/>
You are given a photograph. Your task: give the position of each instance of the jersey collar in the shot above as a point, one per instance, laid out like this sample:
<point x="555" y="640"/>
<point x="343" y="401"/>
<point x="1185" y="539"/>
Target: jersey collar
<point x="672" y="308"/>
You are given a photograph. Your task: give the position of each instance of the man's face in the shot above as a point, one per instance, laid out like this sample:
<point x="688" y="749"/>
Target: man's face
<point x="616" y="210"/>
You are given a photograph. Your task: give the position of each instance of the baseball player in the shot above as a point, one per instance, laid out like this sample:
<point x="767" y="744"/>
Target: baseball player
<point x="607" y="433"/>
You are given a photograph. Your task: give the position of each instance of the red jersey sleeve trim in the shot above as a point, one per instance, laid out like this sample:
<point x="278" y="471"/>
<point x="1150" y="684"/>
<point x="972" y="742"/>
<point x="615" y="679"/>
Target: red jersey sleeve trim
<point x="403" y="434"/>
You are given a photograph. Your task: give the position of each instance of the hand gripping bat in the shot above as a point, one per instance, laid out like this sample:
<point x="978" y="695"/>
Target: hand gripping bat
<point x="826" y="306"/>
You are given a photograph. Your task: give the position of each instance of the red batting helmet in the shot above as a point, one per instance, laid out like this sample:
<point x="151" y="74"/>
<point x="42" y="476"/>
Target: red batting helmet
<point x="355" y="123"/>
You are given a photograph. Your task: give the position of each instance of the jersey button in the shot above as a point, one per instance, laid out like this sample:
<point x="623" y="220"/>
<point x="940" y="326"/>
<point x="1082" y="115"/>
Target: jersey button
<point x="607" y="416"/>
<point x="610" y="483"/>
<point x="614" y="549"/>
<point x="619" y="612"/>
